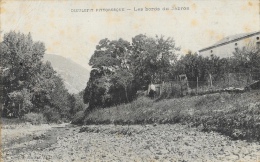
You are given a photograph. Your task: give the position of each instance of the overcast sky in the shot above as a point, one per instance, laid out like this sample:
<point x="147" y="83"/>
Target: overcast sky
<point x="75" y="34"/>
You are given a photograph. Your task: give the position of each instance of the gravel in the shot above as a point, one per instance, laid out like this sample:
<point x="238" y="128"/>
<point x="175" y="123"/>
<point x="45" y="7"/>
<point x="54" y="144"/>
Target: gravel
<point x="128" y="143"/>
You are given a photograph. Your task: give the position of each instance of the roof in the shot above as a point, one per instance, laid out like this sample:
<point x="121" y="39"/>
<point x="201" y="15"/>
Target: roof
<point x="230" y="39"/>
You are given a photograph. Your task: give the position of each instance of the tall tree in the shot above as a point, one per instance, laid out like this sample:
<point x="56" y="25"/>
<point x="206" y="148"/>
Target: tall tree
<point x="108" y="58"/>
<point x="30" y="85"/>
<point x="152" y="58"/>
<point x="21" y="55"/>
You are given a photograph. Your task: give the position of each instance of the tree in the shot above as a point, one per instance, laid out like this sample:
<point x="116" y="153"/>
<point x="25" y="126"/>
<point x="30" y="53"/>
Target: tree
<point x="30" y="85"/>
<point x="20" y="55"/>
<point x="119" y="68"/>
<point x="108" y="59"/>
<point x="124" y="78"/>
<point x="247" y="59"/>
<point x="21" y="102"/>
<point x="152" y="58"/>
<point x="77" y="103"/>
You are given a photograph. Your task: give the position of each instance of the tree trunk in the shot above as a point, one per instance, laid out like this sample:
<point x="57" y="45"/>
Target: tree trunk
<point x="126" y="94"/>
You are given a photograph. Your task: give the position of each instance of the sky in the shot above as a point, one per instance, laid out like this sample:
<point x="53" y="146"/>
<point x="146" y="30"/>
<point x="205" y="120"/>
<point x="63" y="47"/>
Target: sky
<point x="75" y="35"/>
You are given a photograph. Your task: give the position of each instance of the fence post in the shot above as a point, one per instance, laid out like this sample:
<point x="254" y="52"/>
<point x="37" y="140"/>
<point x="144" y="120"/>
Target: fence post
<point x="210" y="80"/>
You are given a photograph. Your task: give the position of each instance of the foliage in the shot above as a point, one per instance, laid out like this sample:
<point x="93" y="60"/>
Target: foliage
<point x="51" y="114"/>
<point x="77" y="103"/>
<point x="152" y="59"/>
<point x="30" y="85"/>
<point x="124" y="79"/>
<point x="171" y="90"/>
<point x="78" y="118"/>
<point x="34" y="118"/>
<point x="235" y="115"/>
<point x="119" y="68"/>
<point x="246" y="59"/>
<point x="198" y="67"/>
<point x="109" y="58"/>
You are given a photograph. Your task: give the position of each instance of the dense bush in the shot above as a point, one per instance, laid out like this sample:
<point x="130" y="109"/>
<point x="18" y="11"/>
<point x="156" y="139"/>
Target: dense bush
<point x="34" y="118"/>
<point x="78" y="118"/>
<point x="51" y="115"/>
<point x="171" y="90"/>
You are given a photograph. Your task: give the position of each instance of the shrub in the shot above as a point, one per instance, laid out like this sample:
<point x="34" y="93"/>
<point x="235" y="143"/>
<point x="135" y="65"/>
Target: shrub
<point x="140" y="102"/>
<point x="51" y="115"/>
<point x="171" y="90"/>
<point x="235" y="115"/>
<point x="78" y="117"/>
<point x="34" y="118"/>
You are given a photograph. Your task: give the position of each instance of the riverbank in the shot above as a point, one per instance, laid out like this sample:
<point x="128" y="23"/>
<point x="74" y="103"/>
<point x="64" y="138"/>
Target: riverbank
<point x="162" y="142"/>
<point x="236" y="115"/>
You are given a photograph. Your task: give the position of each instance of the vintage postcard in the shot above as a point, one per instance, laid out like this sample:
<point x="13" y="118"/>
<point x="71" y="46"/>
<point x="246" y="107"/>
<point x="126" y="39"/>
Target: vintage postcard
<point x="130" y="80"/>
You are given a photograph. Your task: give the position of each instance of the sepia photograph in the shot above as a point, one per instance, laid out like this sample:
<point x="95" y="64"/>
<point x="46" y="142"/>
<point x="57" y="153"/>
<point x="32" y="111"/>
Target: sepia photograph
<point x="130" y="80"/>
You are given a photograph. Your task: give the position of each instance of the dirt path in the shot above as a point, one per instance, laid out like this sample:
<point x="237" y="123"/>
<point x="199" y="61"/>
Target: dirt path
<point x="127" y="143"/>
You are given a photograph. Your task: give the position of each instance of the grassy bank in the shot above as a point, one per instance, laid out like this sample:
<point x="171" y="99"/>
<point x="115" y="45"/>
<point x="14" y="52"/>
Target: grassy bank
<point x="235" y="115"/>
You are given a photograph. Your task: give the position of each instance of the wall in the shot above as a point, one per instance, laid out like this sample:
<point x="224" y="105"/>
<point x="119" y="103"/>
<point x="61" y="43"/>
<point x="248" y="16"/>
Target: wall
<point x="228" y="49"/>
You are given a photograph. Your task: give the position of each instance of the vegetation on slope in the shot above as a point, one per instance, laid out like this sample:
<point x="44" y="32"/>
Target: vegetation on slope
<point x="121" y="68"/>
<point x="236" y="115"/>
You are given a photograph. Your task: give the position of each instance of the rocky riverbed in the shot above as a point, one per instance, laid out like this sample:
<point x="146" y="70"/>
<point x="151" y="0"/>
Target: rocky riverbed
<point x="122" y="143"/>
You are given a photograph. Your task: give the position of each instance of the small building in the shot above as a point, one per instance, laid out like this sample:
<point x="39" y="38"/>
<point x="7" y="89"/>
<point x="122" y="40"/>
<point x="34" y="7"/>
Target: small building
<point x="226" y="46"/>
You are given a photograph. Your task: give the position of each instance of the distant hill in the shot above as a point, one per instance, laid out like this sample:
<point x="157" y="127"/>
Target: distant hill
<point x="74" y="75"/>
